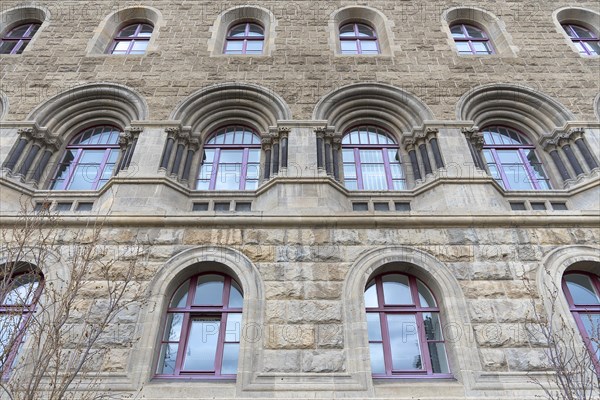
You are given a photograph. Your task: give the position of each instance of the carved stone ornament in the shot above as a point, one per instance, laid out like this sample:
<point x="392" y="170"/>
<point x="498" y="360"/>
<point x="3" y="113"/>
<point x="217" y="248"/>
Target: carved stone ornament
<point x="173" y="131"/>
<point x="474" y="136"/>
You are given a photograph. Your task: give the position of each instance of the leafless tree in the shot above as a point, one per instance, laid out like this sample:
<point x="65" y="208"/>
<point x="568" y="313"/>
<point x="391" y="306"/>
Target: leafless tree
<point x="572" y="368"/>
<point x="66" y="302"/>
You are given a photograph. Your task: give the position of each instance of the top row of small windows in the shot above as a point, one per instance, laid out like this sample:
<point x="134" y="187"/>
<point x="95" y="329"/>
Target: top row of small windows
<point x="249" y="38"/>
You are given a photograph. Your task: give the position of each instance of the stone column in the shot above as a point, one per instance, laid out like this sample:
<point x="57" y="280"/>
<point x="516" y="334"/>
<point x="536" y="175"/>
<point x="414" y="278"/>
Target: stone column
<point x="11" y="163"/>
<point x="193" y="146"/>
<point x="412" y="154"/>
<point x="266" y="145"/>
<point x="586" y="153"/>
<point x="336" y="150"/>
<point x="560" y="165"/>
<point x="284" y="132"/>
<point x="475" y="142"/>
<point x="166" y="155"/>
<point x="320" y="132"/>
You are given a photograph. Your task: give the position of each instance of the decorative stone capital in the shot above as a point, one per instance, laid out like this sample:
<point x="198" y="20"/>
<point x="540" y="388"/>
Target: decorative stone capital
<point x="27" y="133"/>
<point x="320" y="132"/>
<point x="173" y="132"/>
<point x="193" y="144"/>
<point x="474" y="136"/>
<point x="283" y="131"/>
<point x="576" y="133"/>
<point x="125" y="138"/>
<point x="266" y="142"/>
<point x="410" y="144"/>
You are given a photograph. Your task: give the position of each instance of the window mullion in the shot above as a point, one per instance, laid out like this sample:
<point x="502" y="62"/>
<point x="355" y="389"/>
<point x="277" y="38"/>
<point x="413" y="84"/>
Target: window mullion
<point x="220" y="344"/>
<point x="387" y="169"/>
<point x="387" y="347"/>
<point x="214" y="174"/>
<point x="183" y="342"/>
<point x="424" y="343"/>
<point x="500" y="168"/>
<point x="72" y="167"/>
<point x="244" y="169"/>
<point x="529" y="168"/>
<point x="357" y="165"/>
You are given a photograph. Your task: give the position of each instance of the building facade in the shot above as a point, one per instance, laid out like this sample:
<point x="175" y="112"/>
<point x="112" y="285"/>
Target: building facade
<point x="367" y="200"/>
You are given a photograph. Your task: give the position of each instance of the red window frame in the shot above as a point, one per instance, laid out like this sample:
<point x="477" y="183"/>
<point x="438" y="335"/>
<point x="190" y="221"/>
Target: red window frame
<point x="69" y="167"/>
<point x="25" y="311"/>
<point x="22" y="41"/>
<point x="466" y="38"/>
<point x="582" y="43"/>
<point x="245" y="38"/>
<point x="220" y="312"/>
<point x="580" y="310"/>
<point x="238" y="142"/>
<point x="416" y="309"/>
<point x="358" y="38"/>
<point x="523" y="145"/>
<point x="353" y="140"/>
<point x="131" y="39"/>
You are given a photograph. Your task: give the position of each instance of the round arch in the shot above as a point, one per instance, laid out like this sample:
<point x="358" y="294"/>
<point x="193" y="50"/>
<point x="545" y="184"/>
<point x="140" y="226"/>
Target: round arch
<point x="97" y="103"/>
<point x="462" y="354"/>
<point x="181" y="267"/>
<point x="234" y="103"/>
<point x="387" y="106"/>
<point x="509" y="104"/>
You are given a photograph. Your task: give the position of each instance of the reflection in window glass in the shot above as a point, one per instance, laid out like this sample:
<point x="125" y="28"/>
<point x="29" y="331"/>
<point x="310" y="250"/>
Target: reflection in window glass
<point x="203" y="337"/>
<point x="405" y="333"/>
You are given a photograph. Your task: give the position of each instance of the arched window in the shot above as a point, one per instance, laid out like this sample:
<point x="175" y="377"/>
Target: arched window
<point x="356" y="38"/>
<point x="19" y="293"/>
<point x="89" y="160"/>
<point x="203" y="328"/>
<point x="133" y="39"/>
<point x="15" y="40"/>
<point x="404" y="328"/>
<point x="471" y="40"/>
<point x="246" y="38"/>
<point x="512" y="161"/>
<point x="582" y="291"/>
<point x="231" y="160"/>
<point x="584" y="39"/>
<point x="371" y="160"/>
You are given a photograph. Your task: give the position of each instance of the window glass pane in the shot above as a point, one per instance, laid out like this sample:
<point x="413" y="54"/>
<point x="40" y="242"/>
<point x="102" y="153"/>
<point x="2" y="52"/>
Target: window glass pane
<point x="202" y="344"/>
<point x="396" y="171"/>
<point x="235" y="296"/>
<point x="91" y="156"/>
<point x="457" y="31"/>
<point x="399" y="185"/>
<point x="374" y="177"/>
<point x="487" y="154"/>
<point x="463" y="48"/>
<point x="167" y="358"/>
<point x="139" y="47"/>
<point x="251" y="185"/>
<point x="517" y="177"/>
<point x="252" y="172"/>
<point x="474" y="32"/>
<point x="146" y="30"/>
<point x="231" y="156"/>
<point x="482" y="48"/>
<point x="84" y="177"/>
<point x="349" y="47"/>
<point x="254" y="46"/>
<point x="173" y="327"/>
<point x="233" y="328"/>
<point x="396" y="289"/>
<point x="209" y="290"/>
<point x="371" y="156"/>
<point x="591" y="322"/>
<point x="6" y="46"/>
<point x="593" y="47"/>
<point x="581" y="289"/>
<point x="203" y="185"/>
<point x="371" y="295"/>
<point x="238" y="30"/>
<point x="253" y="155"/>
<point x="439" y="362"/>
<point x="128" y="31"/>
<point x="349" y="171"/>
<point x="433" y="330"/>
<point x="18" y="32"/>
<point x="179" y="299"/>
<point x="364" y="30"/>
<point x="404" y="342"/>
<point x="509" y="156"/>
<point x="122" y="46"/>
<point x="582" y="32"/>
<point x="22" y="290"/>
<point x="348" y="155"/>
<point x="374" y="327"/>
<point x="377" y="362"/>
<point x="9" y="326"/>
<point x="234" y="47"/>
<point x="205" y="171"/>
<point x="351" y="184"/>
<point x="580" y="47"/>
<point x="347" y="30"/>
<point x="230" y="358"/>
<point x="255" y="30"/>
<point x="425" y="296"/>
<point x="228" y="177"/>
<point x="369" y="46"/>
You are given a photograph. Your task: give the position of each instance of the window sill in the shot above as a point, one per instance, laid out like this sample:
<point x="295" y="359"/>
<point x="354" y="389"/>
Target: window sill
<point x="414" y="377"/>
